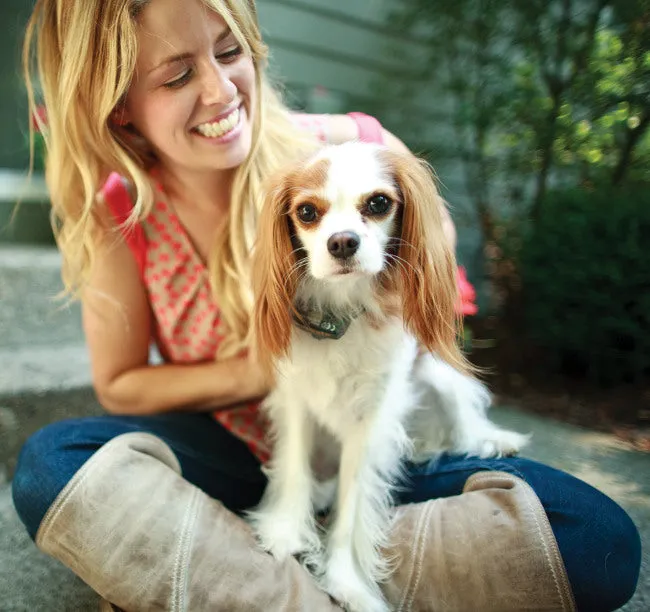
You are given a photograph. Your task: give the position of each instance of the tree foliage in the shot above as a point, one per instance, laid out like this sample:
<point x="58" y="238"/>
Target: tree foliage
<point x="544" y="92"/>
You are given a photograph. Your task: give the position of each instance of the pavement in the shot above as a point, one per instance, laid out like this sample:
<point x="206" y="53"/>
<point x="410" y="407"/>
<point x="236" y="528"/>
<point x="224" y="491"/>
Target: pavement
<point x="45" y="376"/>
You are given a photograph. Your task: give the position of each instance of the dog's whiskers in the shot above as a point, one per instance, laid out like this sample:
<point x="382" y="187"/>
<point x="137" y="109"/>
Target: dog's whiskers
<point x="297" y="268"/>
<point x="402" y="263"/>
<point x="398" y="241"/>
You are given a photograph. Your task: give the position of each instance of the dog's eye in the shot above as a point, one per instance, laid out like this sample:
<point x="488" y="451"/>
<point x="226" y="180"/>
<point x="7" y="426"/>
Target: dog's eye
<point x="378" y="205"/>
<point x="307" y="213"/>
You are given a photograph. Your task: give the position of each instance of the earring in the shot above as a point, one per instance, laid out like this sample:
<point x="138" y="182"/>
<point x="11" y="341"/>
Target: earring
<point x="119" y="116"/>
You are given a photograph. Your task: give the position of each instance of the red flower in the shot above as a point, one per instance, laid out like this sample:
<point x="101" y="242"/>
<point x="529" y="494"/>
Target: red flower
<point x="467" y="294"/>
<point x="39" y="118"/>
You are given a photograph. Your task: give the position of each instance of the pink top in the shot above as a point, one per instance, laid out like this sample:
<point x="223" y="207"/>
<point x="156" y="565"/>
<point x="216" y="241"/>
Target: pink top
<point x="187" y="323"/>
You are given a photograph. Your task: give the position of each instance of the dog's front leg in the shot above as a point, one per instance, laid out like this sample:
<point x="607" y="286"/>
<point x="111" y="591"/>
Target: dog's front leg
<point x="370" y="459"/>
<point x="284" y="520"/>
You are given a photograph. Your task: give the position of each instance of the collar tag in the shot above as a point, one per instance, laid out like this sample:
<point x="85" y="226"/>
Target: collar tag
<point x="330" y="327"/>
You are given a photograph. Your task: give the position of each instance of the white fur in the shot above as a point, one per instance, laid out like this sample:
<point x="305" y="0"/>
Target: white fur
<point x="380" y="401"/>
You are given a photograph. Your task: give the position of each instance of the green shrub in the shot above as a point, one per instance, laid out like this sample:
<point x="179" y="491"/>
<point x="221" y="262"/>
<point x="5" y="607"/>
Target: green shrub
<point x="585" y="269"/>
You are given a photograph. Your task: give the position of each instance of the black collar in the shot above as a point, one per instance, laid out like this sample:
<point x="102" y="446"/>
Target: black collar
<point x="324" y="325"/>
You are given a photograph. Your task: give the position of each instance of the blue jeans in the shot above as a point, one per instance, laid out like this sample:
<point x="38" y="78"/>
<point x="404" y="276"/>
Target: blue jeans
<point x="598" y="541"/>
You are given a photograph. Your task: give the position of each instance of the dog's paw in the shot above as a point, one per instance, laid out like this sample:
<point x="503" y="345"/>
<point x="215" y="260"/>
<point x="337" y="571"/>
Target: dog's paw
<point x="313" y="561"/>
<point x="493" y="442"/>
<point x="347" y="586"/>
<point x="284" y="535"/>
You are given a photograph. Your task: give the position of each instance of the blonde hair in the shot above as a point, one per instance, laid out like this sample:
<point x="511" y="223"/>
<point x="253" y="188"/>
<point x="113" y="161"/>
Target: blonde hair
<point x="85" y="54"/>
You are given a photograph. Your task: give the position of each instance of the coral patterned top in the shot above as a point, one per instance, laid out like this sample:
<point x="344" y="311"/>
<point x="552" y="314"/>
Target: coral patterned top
<point x="187" y="323"/>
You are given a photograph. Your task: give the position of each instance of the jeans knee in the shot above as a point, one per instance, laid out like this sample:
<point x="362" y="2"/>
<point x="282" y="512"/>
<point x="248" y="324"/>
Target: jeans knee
<point x="604" y="574"/>
<point x="622" y="562"/>
<point x="39" y="476"/>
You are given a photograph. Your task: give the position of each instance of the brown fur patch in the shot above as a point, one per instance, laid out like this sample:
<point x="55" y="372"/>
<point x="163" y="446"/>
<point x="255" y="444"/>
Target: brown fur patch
<point x="305" y="186"/>
<point x="314" y="176"/>
<point x="274" y="259"/>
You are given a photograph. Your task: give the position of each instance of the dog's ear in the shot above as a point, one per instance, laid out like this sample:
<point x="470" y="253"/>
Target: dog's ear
<point x="273" y="274"/>
<point x="425" y="272"/>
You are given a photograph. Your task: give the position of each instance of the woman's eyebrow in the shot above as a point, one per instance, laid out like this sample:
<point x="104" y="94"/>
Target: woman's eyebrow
<point x="178" y="57"/>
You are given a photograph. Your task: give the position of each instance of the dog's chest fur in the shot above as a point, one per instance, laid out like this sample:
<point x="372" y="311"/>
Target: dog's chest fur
<point x="341" y="381"/>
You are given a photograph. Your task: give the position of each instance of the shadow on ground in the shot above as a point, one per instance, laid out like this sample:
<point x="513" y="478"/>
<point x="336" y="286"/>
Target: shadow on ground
<point x="21" y="415"/>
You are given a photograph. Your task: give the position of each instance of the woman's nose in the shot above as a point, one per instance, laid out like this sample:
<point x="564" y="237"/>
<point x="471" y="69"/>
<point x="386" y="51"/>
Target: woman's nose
<point x="217" y="88"/>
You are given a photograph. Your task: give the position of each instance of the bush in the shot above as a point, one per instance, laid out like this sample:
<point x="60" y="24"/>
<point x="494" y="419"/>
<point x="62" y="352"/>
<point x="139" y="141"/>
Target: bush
<point x="585" y="269"/>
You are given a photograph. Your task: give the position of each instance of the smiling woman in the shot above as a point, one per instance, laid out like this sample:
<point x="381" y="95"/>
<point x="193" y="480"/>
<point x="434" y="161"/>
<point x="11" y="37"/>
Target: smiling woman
<point x="162" y="130"/>
<point x="194" y="107"/>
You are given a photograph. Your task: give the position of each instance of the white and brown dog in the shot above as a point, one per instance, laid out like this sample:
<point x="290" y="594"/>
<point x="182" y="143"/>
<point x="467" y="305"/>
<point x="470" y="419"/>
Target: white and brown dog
<point x="356" y="301"/>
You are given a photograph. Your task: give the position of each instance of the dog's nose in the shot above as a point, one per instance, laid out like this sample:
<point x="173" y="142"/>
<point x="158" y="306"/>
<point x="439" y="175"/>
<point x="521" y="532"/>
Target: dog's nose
<point x="343" y="244"/>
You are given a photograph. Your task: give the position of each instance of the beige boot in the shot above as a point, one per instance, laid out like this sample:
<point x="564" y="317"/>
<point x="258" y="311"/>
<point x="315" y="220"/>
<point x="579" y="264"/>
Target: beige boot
<point x="490" y="549"/>
<point x="146" y="539"/>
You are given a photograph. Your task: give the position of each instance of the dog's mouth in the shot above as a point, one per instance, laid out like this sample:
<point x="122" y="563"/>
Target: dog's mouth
<point x="339" y="273"/>
<point x="347" y="267"/>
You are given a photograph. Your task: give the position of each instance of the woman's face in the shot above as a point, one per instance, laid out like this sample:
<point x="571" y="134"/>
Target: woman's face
<point x="193" y="91"/>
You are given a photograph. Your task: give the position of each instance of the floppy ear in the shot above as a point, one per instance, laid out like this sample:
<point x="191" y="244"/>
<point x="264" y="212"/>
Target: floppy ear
<point x="426" y="269"/>
<point x="273" y="275"/>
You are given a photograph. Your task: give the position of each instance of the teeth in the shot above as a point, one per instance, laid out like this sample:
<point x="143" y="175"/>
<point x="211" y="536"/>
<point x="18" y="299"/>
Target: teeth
<point x="219" y="128"/>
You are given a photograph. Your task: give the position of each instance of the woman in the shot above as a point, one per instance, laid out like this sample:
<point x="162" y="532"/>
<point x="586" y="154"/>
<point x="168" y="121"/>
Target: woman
<point x="161" y="129"/>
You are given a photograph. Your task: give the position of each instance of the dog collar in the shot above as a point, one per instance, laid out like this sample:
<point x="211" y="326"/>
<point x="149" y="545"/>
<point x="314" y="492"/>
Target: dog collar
<point x="328" y="327"/>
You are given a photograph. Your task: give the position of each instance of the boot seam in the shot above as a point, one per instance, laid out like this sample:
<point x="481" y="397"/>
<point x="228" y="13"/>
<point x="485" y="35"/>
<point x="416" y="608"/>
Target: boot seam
<point x="552" y="554"/>
<point x="417" y="557"/>
<point x="180" y="583"/>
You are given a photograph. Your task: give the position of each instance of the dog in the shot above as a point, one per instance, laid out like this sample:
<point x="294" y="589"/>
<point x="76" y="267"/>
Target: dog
<point x="356" y="313"/>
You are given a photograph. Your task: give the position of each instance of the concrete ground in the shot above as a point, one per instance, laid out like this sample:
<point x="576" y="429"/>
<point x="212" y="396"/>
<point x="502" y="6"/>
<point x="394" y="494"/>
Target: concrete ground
<point x="44" y="376"/>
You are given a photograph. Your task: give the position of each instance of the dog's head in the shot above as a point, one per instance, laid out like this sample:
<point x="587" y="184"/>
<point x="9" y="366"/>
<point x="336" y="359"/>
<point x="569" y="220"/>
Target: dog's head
<point x="352" y="216"/>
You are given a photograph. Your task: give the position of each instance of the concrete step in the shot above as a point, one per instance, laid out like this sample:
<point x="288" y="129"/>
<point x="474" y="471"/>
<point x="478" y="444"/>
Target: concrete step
<point x="44" y="363"/>
<point x="30" y="313"/>
<point x="42" y="368"/>
<point x="42" y="346"/>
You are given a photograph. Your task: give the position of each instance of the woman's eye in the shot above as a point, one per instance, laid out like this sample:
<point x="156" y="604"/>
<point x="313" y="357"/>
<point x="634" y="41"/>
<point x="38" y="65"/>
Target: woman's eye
<point x="229" y="56"/>
<point x="378" y="205"/>
<point x="179" y="81"/>
<point x="307" y="213"/>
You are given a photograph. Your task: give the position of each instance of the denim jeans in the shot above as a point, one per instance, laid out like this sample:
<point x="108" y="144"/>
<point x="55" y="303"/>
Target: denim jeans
<point x="598" y="541"/>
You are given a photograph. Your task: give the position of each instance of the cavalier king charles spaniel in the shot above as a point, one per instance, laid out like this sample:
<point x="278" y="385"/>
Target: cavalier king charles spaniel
<point x="356" y="312"/>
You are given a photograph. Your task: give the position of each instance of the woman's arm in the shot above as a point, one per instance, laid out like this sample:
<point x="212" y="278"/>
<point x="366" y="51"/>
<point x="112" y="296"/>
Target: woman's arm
<point x="117" y="324"/>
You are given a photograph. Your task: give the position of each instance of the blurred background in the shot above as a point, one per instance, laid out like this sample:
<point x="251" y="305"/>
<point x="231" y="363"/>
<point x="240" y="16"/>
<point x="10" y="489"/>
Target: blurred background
<point x="535" y="116"/>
